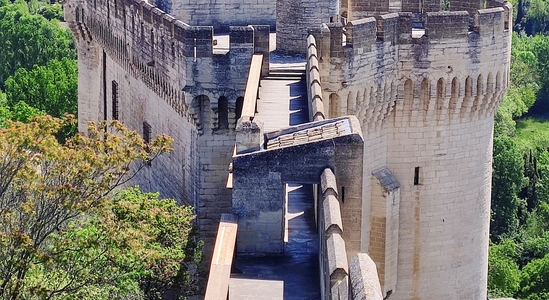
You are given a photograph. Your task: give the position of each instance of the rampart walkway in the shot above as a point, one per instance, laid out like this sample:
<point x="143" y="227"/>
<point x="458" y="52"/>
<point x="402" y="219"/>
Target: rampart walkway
<point x="295" y="275"/>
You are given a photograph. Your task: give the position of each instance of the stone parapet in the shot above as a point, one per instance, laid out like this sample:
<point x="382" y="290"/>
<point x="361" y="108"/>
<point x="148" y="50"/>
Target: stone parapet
<point x="364" y="281"/>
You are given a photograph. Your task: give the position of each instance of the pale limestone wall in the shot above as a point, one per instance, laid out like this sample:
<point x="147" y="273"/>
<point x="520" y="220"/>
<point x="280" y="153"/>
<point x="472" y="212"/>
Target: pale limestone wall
<point x="295" y="17"/>
<point x="172" y="173"/>
<point x="364" y="279"/>
<point x="430" y="101"/>
<point x="384" y="227"/>
<point x="222" y="13"/>
<point x="169" y="77"/>
<point x="444" y="220"/>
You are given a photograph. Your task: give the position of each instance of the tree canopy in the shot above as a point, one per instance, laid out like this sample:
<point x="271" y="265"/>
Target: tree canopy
<point x="30" y="39"/>
<point x="65" y="234"/>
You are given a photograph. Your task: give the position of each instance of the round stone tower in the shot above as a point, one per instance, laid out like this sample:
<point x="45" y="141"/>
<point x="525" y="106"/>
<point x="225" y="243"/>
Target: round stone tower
<point x="425" y="84"/>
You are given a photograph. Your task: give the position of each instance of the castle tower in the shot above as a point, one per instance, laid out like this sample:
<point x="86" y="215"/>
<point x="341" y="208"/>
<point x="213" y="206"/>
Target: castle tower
<point x="295" y="18"/>
<point x="425" y="84"/>
<point x="423" y="81"/>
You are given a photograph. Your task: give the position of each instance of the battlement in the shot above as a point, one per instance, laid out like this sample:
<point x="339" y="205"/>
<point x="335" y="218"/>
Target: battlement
<point x="171" y="57"/>
<point x="400" y="28"/>
<point x="145" y="25"/>
<point x="365" y="63"/>
<point x="361" y="9"/>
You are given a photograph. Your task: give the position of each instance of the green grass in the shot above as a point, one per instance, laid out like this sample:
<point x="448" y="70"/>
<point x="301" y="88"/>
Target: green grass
<point x="532" y="134"/>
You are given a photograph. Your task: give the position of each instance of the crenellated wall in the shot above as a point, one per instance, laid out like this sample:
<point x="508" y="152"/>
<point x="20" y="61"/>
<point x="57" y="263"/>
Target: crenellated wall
<point x="423" y="84"/>
<point x="425" y="98"/>
<point x="224" y="13"/>
<point x="159" y="75"/>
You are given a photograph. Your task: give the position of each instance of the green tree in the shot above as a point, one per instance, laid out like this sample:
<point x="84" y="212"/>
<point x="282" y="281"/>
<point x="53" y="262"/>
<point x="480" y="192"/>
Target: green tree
<point x="29" y="40"/>
<point x="134" y="243"/>
<point x="503" y="272"/>
<point x="47" y="187"/>
<point x="534" y="280"/>
<point x="507" y="181"/>
<point x="52" y="88"/>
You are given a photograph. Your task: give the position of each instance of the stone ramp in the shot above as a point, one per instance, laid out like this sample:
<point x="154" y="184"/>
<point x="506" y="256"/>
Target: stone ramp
<point x="282" y="100"/>
<point x="295" y="274"/>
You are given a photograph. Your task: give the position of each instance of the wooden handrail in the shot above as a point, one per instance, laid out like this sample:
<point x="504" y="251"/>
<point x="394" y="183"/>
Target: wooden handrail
<point x="222" y="259"/>
<point x="250" y="96"/>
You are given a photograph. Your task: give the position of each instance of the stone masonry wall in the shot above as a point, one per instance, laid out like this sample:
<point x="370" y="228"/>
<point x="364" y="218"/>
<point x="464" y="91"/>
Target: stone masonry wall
<point x="167" y="75"/>
<point x="224" y="13"/>
<point x="430" y="99"/>
<point x="294" y="18"/>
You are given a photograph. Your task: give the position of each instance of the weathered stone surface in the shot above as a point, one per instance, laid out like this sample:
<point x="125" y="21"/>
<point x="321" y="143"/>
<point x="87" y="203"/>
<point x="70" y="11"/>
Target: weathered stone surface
<point x="364" y="280"/>
<point x="386" y="178"/>
<point x="337" y="258"/>
<point x="332" y="215"/>
<point x="423" y="85"/>
<point x="328" y="182"/>
<point x="249" y="135"/>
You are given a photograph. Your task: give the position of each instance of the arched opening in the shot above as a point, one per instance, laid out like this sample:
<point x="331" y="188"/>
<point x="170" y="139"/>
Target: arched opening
<point x="425" y="94"/>
<point x="468" y="87"/>
<point x="468" y="96"/>
<point x="490" y="83"/>
<point x="238" y="109"/>
<point x="222" y="113"/>
<point x="408" y="92"/>
<point x="441" y="93"/>
<point x="351" y="102"/>
<point x="455" y="88"/>
<point x="334" y="105"/>
<point x="201" y="111"/>
<point x="480" y="85"/>
<point x="455" y="93"/>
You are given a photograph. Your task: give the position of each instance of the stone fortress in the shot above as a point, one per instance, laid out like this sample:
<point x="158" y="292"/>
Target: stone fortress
<point x="404" y="94"/>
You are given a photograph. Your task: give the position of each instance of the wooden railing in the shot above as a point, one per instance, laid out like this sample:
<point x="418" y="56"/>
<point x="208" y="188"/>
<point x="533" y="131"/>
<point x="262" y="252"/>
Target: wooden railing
<point x="222" y="259"/>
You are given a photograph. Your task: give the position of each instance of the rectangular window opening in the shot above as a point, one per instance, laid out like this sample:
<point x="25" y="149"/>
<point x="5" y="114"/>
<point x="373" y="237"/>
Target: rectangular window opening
<point x="147" y="129"/>
<point x="114" y="100"/>
<point x="416" y="176"/>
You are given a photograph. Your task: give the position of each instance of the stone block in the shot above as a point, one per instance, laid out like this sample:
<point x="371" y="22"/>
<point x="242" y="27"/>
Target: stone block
<point x="332" y="215"/>
<point x="364" y="280"/>
<point x="328" y="182"/>
<point x="337" y="258"/>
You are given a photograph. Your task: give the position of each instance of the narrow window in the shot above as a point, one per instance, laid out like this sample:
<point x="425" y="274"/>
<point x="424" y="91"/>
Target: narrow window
<point x="223" y="113"/>
<point x="238" y="109"/>
<point x="416" y="176"/>
<point x="342" y="194"/>
<point x="104" y="79"/>
<point x="147" y="132"/>
<point x="114" y="100"/>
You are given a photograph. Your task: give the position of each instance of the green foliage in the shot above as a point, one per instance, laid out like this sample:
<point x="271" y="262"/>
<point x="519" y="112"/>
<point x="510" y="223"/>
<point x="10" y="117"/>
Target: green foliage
<point x="52" y="88"/>
<point x="535" y="246"/>
<point x="507" y="181"/>
<point x="503" y="272"/>
<point x="133" y="244"/>
<point x="50" y="192"/>
<point x="531" y="16"/>
<point x="52" y="12"/>
<point x="28" y="40"/>
<point x="534" y="280"/>
<point x="532" y="134"/>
